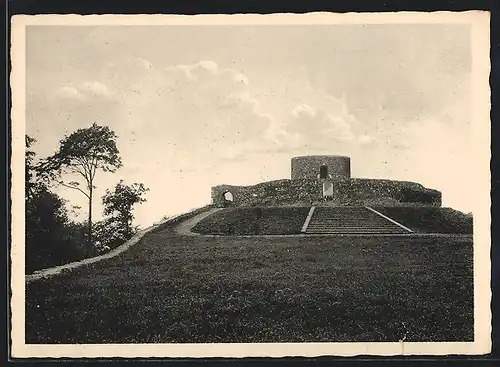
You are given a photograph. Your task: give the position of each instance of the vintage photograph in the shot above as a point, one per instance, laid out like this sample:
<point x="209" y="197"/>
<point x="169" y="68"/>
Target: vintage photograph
<point x="288" y="185"/>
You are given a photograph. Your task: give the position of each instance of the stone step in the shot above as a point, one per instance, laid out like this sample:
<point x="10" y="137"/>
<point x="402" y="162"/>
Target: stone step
<point x="355" y="228"/>
<point x="347" y="215"/>
<point x="326" y="220"/>
<point x="344" y="216"/>
<point x="353" y="224"/>
<point x="352" y="230"/>
<point x="360" y="231"/>
<point x="356" y="232"/>
<point x="357" y="220"/>
<point x="346" y="227"/>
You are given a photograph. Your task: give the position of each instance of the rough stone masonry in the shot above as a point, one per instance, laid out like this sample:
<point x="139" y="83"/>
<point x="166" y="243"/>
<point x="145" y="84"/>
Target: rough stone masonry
<point x="307" y="187"/>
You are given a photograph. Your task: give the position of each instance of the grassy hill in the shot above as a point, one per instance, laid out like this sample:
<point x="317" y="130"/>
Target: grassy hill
<point x="430" y="219"/>
<point x="289" y="220"/>
<point x="188" y="289"/>
<point x="251" y="221"/>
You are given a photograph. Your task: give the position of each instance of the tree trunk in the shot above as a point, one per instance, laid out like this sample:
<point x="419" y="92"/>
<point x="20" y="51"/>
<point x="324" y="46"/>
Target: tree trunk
<point x="124" y="225"/>
<point x="89" y="242"/>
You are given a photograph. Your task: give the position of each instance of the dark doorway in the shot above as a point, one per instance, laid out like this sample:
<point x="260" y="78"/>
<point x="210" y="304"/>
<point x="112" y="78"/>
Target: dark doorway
<point x="323" y="172"/>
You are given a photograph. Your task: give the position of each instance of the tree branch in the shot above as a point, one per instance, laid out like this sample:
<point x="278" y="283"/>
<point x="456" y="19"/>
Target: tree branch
<point x="94" y="166"/>
<point x="85" y="170"/>
<point x="80" y="171"/>
<point x="76" y="188"/>
<point x="76" y="169"/>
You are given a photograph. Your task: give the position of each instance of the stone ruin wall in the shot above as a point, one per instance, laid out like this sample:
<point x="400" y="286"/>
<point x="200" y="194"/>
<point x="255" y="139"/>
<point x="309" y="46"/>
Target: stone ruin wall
<point x="308" y="167"/>
<point x="306" y="192"/>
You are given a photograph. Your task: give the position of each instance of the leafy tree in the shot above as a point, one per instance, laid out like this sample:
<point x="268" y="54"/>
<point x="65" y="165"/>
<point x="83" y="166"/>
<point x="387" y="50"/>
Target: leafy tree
<point x="45" y="217"/>
<point x="50" y="236"/>
<point x="119" y="202"/>
<point x="30" y="168"/>
<point x="83" y="153"/>
<point x="108" y="234"/>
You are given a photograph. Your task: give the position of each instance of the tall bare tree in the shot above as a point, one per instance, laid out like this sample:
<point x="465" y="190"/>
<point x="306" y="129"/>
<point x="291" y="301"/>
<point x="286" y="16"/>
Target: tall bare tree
<point x="84" y="152"/>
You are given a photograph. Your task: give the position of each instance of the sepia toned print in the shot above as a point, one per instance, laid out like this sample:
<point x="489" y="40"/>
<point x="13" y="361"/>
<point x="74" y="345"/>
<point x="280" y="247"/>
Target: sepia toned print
<point x="250" y="185"/>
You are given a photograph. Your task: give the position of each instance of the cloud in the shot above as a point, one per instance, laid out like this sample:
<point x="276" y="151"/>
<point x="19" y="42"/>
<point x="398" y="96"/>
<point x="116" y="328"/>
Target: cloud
<point x="84" y="91"/>
<point x="304" y="110"/>
<point x="314" y="123"/>
<point x="206" y="65"/>
<point x="199" y="108"/>
<point x="94" y="87"/>
<point x="205" y="109"/>
<point x="401" y="144"/>
<point x="199" y="105"/>
<point x="55" y="112"/>
<point x="207" y="75"/>
<point x="142" y="63"/>
<point x="313" y="129"/>
<point x="204" y="70"/>
<point x="70" y="93"/>
<point x="367" y="140"/>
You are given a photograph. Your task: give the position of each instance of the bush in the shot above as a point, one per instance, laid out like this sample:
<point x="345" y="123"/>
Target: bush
<point x="109" y="234"/>
<point x="413" y="196"/>
<point x="51" y="238"/>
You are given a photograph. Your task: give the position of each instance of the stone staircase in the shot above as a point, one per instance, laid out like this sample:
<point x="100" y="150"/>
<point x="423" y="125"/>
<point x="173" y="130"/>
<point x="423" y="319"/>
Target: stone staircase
<point x="350" y="220"/>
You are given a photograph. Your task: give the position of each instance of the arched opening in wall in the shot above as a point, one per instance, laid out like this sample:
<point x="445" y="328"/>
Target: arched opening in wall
<point x="228" y="198"/>
<point x="323" y="171"/>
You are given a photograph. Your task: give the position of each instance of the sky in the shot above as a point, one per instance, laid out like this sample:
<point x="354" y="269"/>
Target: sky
<point x="195" y="106"/>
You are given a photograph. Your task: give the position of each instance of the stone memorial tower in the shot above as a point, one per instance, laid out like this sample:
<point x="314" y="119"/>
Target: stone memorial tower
<point x="326" y="168"/>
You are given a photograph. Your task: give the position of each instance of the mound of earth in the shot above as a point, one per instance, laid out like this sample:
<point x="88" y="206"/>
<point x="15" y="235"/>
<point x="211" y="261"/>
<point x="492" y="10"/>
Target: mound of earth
<point x="430" y="219"/>
<point x="196" y="289"/>
<point x="289" y="220"/>
<point x="254" y="221"/>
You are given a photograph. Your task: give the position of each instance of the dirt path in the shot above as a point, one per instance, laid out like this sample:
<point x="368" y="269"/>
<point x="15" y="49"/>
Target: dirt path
<point x="44" y="273"/>
<point x="184" y="228"/>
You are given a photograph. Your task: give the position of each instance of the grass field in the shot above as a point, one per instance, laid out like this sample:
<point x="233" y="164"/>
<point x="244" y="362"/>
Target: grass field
<point x="289" y="220"/>
<point x="170" y="288"/>
<point x="251" y="221"/>
<point x="430" y="219"/>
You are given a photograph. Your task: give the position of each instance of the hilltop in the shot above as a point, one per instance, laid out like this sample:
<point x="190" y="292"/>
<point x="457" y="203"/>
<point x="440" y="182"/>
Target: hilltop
<point x="188" y="288"/>
<point x="289" y="220"/>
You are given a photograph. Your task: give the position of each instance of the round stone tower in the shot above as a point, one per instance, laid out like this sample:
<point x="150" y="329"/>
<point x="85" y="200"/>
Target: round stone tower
<point x="321" y="167"/>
